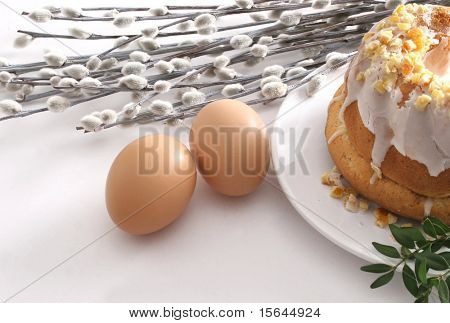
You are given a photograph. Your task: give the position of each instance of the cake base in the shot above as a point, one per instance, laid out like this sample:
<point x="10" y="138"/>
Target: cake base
<point x="396" y="166"/>
<point x="358" y="172"/>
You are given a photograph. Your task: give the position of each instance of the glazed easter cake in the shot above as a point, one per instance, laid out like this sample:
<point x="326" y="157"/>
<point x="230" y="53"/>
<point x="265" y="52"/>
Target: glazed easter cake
<point x="388" y="126"/>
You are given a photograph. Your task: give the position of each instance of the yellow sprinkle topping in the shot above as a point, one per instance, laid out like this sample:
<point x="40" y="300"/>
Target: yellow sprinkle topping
<point x="401" y="42"/>
<point x="422" y="101"/>
<point x="385" y="36"/>
<point x="360" y="76"/>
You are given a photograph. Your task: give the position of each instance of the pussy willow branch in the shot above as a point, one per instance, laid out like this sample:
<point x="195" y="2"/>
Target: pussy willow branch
<point x="190" y="50"/>
<point x="110" y="78"/>
<point x="83" y="59"/>
<point x="230" y="10"/>
<point x="191" y="111"/>
<point x="312" y="31"/>
<point x="39" y="110"/>
<point x="128" y="9"/>
<point x="258" y="88"/>
<point x="131" y="39"/>
<point x="242" y="57"/>
<point x="189" y="17"/>
<point x="234" y="60"/>
<point x="170" y="7"/>
<point x="181" y="111"/>
<point x="108" y="91"/>
<point x="351" y="10"/>
<point x="94" y="36"/>
<point x="278" y="27"/>
<point x="120" y="55"/>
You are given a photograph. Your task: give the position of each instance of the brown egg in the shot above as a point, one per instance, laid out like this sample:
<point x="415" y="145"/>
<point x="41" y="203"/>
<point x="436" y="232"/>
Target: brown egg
<point x="230" y="147"/>
<point x="149" y="184"/>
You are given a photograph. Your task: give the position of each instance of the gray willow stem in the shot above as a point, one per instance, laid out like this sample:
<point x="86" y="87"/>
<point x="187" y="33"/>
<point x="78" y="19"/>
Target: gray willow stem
<point x="230" y="10"/>
<point x="313" y="31"/>
<point x="181" y="112"/>
<point x="237" y="59"/>
<point x="110" y="91"/>
<point x="160" y="35"/>
<point x="127" y="9"/>
<point x="315" y="15"/>
<point x="171" y="7"/>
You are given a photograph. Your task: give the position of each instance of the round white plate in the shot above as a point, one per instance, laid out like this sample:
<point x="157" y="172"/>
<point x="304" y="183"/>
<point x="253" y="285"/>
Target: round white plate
<point x="300" y="156"/>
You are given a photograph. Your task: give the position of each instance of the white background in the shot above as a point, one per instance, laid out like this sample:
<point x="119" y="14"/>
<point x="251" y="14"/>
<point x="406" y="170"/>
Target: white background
<point x="52" y="210"/>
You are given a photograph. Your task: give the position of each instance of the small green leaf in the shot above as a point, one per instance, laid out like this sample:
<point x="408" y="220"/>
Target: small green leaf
<point x="423" y="290"/>
<point x="433" y="281"/>
<point x="405" y="252"/>
<point x="441" y="227"/>
<point x="443" y="291"/>
<point x="383" y="280"/>
<point x="414" y="234"/>
<point x="446" y="255"/>
<point x="422" y="295"/>
<point x="421" y="270"/>
<point x="401" y="236"/>
<point x="376" y="268"/>
<point x="388" y="251"/>
<point x="447" y="243"/>
<point x="434" y="227"/>
<point x="428" y="228"/>
<point x="409" y="279"/>
<point x="421" y="244"/>
<point x="436" y="262"/>
<point x="436" y="246"/>
<point x="423" y="299"/>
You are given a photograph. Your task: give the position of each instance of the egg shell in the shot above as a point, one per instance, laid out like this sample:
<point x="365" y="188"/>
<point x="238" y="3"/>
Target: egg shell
<point x="150" y="183"/>
<point x="230" y="146"/>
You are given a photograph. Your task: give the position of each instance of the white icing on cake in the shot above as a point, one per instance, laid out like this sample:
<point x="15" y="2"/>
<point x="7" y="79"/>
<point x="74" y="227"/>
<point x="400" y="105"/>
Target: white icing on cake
<point x="418" y="126"/>
<point x="427" y="206"/>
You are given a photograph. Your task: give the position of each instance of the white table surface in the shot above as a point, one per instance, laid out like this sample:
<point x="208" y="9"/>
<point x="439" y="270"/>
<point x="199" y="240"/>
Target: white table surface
<point x="53" y="219"/>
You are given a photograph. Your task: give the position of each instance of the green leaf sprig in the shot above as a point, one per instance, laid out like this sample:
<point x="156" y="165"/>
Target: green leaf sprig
<point x="422" y="249"/>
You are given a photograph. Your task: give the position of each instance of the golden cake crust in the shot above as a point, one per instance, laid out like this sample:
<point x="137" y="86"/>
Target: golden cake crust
<point x="358" y="171"/>
<point x="399" y="168"/>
